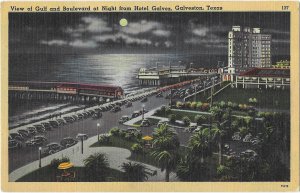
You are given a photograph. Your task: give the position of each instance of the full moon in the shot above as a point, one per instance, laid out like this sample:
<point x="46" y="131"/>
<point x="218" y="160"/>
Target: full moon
<point x="123" y="22"/>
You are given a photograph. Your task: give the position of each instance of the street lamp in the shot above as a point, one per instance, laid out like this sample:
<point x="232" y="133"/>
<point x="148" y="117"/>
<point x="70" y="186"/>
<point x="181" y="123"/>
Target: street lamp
<point x="40" y="157"/>
<point x="143" y="111"/>
<point x="98" y="130"/>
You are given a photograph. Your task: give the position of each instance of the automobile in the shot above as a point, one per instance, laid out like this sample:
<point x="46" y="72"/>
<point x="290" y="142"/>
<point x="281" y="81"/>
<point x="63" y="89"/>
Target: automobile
<point x="85" y="115"/>
<point x="128" y="104"/>
<point x="132" y="130"/>
<point x="68" y="142"/>
<point x="124" y="119"/>
<point x="24" y="133"/>
<point x="119" y="103"/>
<point x="61" y="121"/>
<point x="161" y="122"/>
<point x="83" y="136"/>
<point x="36" y="141"/>
<point x="75" y="117"/>
<point x="80" y="116"/>
<point x="16" y="136"/>
<point x="145" y="99"/>
<point x="40" y="128"/>
<point x="116" y="109"/>
<point x="135" y="114"/>
<point x="145" y="123"/>
<point x="192" y="127"/>
<point x="14" y="144"/>
<point x="69" y="119"/>
<point x="92" y="112"/>
<point x="54" y="124"/>
<point x="31" y="130"/>
<point x="97" y="115"/>
<point x="159" y="94"/>
<point x="51" y="148"/>
<point x="47" y="126"/>
<point x="197" y="129"/>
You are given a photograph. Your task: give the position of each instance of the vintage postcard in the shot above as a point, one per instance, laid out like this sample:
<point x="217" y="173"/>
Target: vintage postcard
<point x="150" y="96"/>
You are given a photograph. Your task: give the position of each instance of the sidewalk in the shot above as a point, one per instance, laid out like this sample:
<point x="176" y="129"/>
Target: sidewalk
<point x="116" y="157"/>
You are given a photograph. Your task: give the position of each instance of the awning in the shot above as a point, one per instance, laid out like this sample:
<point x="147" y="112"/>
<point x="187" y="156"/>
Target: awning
<point x="65" y="165"/>
<point x="147" y="138"/>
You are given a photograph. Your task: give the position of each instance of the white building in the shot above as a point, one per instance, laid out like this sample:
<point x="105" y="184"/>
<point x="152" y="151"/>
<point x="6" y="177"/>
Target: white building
<point x="248" y="48"/>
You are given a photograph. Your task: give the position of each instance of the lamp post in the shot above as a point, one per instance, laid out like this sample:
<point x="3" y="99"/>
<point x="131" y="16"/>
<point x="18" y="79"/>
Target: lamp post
<point x="143" y="111"/>
<point x="98" y="130"/>
<point x="40" y="157"/>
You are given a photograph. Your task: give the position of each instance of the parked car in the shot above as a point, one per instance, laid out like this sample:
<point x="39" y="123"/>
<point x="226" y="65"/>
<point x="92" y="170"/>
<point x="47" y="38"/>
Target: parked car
<point x="145" y="123"/>
<point x="14" y="144"/>
<point x="83" y="136"/>
<point x="132" y="130"/>
<point x="36" y="141"/>
<point x="51" y="148"/>
<point x="61" y="121"/>
<point x="97" y="115"/>
<point x="128" y="104"/>
<point x="31" y="130"/>
<point x="124" y="119"/>
<point x="47" y="126"/>
<point x="16" y="136"/>
<point x="145" y="99"/>
<point x="24" y="133"/>
<point x="69" y="119"/>
<point x="159" y="94"/>
<point x="116" y="109"/>
<point x="161" y="122"/>
<point x="68" y="142"/>
<point x="135" y="114"/>
<point x="40" y="128"/>
<point x="54" y="124"/>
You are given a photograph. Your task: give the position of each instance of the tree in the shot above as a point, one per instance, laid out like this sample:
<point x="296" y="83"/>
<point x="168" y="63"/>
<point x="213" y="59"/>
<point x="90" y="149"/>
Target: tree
<point x="191" y="169"/>
<point x="96" y="167"/>
<point x="172" y="118"/>
<point x="217" y="113"/>
<point x="136" y="148"/>
<point x="199" y="144"/>
<point x="218" y="134"/>
<point x="166" y="145"/>
<point x="186" y="120"/>
<point x="135" y="172"/>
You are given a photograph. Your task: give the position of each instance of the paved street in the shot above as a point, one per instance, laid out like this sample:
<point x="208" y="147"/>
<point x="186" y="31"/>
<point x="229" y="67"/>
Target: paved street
<point x="25" y="155"/>
<point x="116" y="157"/>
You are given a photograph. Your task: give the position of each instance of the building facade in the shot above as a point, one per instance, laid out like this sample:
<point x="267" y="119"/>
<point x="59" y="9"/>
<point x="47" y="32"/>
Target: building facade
<point x="248" y="48"/>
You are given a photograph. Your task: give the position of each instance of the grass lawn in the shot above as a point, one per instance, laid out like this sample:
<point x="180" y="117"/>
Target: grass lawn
<point x="274" y="99"/>
<point x="48" y="174"/>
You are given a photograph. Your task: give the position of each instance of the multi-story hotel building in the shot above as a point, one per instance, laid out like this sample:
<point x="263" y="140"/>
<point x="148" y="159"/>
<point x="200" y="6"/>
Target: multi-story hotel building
<point x="248" y="48"/>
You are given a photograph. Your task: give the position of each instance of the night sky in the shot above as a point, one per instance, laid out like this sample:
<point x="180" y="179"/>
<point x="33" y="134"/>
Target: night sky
<point x="199" y="32"/>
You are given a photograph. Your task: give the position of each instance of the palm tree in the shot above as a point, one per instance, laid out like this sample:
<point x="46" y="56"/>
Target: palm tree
<point x="166" y="145"/>
<point x="135" y="172"/>
<point x="199" y="144"/>
<point x="217" y="134"/>
<point x="96" y="167"/>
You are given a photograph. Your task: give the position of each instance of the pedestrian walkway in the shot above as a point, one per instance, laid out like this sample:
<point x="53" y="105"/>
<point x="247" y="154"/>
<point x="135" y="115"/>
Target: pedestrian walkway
<point x="116" y="157"/>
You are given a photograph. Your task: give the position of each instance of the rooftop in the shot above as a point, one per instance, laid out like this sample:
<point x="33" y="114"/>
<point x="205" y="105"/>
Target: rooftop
<point x="267" y="72"/>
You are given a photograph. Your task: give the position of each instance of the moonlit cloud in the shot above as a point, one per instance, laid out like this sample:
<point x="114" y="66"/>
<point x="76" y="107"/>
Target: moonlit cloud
<point x="161" y="33"/>
<point x="83" y="44"/>
<point x="141" y="27"/>
<point x="54" y="42"/>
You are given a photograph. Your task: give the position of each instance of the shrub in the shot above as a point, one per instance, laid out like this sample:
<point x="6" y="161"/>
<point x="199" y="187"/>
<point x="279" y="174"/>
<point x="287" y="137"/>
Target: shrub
<point x="168" y="110"/>
<point x="199" y="119"/>
<point x="163" y="109"/>
<point x="222" y="104"/>
<point x="130" y="136"/>
<point x="114" y="131"/>
<point x="205" y="107"/>
<point x="55" y="162"/>
<point x="186" y="120"/>
<point x="188" y="104"/>
<point x="193" y="105"/>
<point x="179" y="104"/>
<point x="136" y="148"/>
<point x="104" y="139"/>
<point x="122" y="133"/>
<point x="172" y="118"/>
<point x="199" y="105"/>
